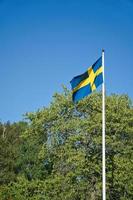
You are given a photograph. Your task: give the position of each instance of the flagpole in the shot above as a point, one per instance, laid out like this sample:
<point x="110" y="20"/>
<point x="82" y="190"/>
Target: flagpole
<point x="103" y="134"/>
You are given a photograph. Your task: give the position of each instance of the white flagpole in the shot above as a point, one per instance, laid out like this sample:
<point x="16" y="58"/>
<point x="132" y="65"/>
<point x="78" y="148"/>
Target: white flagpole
<point x="103" y="134"/>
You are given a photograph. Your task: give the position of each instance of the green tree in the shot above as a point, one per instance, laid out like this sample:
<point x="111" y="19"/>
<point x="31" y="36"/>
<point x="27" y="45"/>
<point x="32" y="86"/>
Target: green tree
<point x="9" y="150"/>
<point x="60" y="156"/>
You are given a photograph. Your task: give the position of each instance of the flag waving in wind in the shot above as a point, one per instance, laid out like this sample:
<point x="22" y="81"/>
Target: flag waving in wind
<point x="87" y="82"/>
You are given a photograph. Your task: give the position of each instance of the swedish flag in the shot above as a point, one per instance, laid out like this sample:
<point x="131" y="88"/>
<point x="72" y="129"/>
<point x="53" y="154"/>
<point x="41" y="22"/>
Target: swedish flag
<point x="87" y="82"/>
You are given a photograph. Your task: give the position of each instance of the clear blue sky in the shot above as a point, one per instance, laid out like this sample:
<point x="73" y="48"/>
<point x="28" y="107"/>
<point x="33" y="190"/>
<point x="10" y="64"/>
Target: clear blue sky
<point x="44" y="43"/>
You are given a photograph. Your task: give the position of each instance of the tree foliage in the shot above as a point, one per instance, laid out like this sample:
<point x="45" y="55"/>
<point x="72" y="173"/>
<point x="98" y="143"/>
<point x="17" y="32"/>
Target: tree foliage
<point x="57" y="153"/>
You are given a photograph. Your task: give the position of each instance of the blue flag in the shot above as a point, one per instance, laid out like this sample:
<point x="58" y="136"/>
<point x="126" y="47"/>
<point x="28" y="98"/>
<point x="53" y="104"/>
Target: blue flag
<point x="87" y="82"/>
